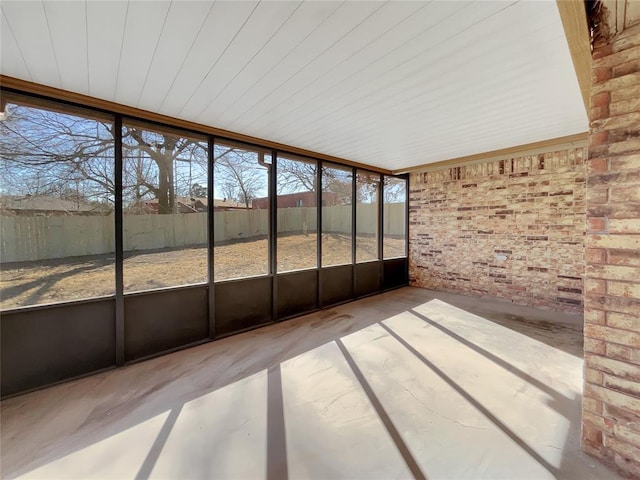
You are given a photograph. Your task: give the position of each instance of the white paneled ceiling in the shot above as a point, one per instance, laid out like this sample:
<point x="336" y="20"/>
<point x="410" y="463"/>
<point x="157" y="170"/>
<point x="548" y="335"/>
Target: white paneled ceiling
<point x="390" y="84"/>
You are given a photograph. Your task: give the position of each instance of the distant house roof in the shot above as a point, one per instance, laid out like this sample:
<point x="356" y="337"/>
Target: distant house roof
<point x="217" y="202"/>
<point x="43" y="203"/>
<point x="198" y="204"/>
<point x="228" y="204"/>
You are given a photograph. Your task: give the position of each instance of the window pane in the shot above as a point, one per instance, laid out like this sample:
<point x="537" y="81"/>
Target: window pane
<point x="241" y="212"/>
<point x="337" y="214"/>
<point x="395" y="217"/>
<point x="165" y="209"/>
<point x="297" y="214"/>
<point x="367" y="190"/>
<point x="56" y="207"/>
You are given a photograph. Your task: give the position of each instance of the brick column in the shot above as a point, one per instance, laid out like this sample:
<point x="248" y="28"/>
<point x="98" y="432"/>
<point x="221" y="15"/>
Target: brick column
<point x="611" y="403"/>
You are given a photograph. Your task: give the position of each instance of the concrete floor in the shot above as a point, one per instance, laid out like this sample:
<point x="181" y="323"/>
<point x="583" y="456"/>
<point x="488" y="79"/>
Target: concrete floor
<point x="411" y="383"/>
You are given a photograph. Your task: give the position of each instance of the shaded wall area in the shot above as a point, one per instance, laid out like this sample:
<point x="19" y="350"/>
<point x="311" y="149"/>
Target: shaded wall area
<point x="611" y="403"/>
<point x="511" y="228"/>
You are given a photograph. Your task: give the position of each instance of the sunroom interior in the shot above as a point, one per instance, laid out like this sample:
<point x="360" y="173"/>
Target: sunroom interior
<point x="265" y="240"/>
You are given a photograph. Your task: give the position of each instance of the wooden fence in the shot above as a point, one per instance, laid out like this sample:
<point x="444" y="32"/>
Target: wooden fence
<point x="42" y="238"/>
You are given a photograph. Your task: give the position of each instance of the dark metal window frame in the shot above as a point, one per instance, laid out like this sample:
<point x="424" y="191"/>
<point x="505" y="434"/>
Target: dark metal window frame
<point x="353" y="284"/>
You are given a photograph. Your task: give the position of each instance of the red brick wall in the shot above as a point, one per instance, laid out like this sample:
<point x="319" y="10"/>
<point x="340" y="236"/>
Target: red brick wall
<point x="292" y="199"/>
<point x="511" y="228"/>
<point x="611" y="402"/>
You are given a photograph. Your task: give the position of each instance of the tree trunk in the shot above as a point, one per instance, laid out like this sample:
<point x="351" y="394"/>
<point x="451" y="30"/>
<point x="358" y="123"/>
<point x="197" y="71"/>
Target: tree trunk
<point x="166" y="195"/>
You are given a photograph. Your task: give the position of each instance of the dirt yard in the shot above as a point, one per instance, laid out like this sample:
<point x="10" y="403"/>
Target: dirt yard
<point x="32" y="283"/>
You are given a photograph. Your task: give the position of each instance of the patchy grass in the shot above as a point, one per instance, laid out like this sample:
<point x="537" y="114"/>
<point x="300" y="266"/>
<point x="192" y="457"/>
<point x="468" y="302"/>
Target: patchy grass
<point x="32" y="283"/>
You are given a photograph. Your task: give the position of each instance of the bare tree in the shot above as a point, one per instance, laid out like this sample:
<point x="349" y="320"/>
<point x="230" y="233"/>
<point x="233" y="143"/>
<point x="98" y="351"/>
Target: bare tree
<point x="46" y="153"/>
<point x="164" y="151"/>
<point x="339" y="182"/>
<point x="299" y="176"/>
<point x="395" y="190"/>
<point x="50" y="153"/>
<point x="296" y="176"/>
<point x="239" y="174"/>
<point x="367" y="187"/>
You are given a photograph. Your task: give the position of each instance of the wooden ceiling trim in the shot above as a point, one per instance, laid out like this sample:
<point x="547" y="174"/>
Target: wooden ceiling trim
<point x="576" y="28"/>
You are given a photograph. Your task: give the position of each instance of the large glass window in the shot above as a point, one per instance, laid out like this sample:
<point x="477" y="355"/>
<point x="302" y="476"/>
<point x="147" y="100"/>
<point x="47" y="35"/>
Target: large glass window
<point x="395" y="217"/>
<point x="241" y="211"/>
<point x="337" y="215"/>
<point x="165" y="208"/>
<point x="367" y="228"/>
<point x="57" y="202"/>
<point x="56" y="205"/>
<point x="297" y="184"/>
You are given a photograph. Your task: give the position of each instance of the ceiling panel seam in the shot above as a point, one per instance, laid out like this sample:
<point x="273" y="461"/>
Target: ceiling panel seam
<point x="422" y="145"/>
<point x="86" y="38"/>
<point x="351" y="76"/>
<point x="105" y="30"/>
<point x="175" y="77"/>
<point x="276" y="65"/>
<point x="155" y="50"/>
<point x="204" y="78"/>
<point x="464" y="130"/>
<point x="394" y="105"/>
<point x="329" y="72"/>
<point x="233" y="121"/>
<point x="126" y="20"/>
<point x="506" y="100"/>
<point x="53" y="47"/>
<point x="409" y="61"/>
<point x="26" y="66"/>
<point x="250" y="60"/>
<point x="416" y="72"/>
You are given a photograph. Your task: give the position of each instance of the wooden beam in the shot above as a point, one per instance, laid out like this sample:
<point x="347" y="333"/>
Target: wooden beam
<point x="576" y="28"/>
<point x="554" y="144"/>
<point x="23" y="86"/>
